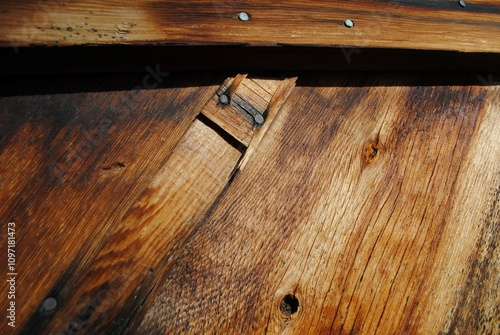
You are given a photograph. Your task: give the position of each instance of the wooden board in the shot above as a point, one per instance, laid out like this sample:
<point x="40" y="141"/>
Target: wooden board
<point x="370" y="206"/>
<point x="75" y="155"/>
<point x="407" y="24"/>
<point x="365" y="203"/>
<point x="151" y="233"/>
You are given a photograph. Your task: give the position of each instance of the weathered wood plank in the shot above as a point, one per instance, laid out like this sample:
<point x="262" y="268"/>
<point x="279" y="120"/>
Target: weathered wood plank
<point x="432" y="25"/>
<point x="365" y="209"/>
<point x="243" y="99"/>
<point x="74" y="156"/>
<point x="150" y="236"/>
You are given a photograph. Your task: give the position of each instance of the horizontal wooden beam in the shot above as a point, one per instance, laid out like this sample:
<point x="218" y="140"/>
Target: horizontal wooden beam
<point x="361" y="34"/>
<point x="408" y="24"/>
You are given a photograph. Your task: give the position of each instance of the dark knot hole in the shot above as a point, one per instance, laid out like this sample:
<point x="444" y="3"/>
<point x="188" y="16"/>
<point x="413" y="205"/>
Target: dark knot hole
<point x="289" y="305"/>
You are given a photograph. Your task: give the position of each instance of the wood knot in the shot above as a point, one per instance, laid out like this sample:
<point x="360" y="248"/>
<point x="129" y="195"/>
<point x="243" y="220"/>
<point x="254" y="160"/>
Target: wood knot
<point x="289" y="305"/>
<point x="372" y="151"/>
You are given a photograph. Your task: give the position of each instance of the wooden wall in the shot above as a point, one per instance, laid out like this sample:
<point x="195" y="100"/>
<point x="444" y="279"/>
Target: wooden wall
<point x="365" y="203"/>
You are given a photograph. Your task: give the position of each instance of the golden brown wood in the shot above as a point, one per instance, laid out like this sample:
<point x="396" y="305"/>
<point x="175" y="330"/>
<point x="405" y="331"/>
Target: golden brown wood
<point x="245" y="97"/>
<point x="367" y="208"/>
<point x="72" y="164"/>
<point x="366" y="203"/>
<point x="407" y="24"/>
<point x="151" y="234"/>
<point x="277" y="100"/>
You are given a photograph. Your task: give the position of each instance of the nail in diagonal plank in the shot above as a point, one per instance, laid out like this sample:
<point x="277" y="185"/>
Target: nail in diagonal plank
<point x="363" y="210"/>
<point x="245" y="99"/>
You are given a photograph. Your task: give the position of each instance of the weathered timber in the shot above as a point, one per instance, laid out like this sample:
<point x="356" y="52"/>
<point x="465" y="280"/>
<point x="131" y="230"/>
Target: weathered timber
<point x="151" y="233"/>
<point x="75" y="155"/>
<point x="279" y="35"/>
<point x="365" y="203"/>
<point x="432" y="25"/>
<point x="154" y="230"/>
<point x="244" y="98"/>
<point x="369" y="206"/>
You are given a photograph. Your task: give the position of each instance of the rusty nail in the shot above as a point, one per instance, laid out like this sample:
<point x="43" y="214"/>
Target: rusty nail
<point x="49" y="304"/>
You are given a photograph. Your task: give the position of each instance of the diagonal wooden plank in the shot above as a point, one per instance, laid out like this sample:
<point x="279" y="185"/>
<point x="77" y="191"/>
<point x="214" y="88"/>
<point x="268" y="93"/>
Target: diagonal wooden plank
<point x="106" y="292"/>
<point x="361" y="211"/>
<point x="74" y="156"/>
<point x="237" y="103"/>
<point x="151" y="233"/>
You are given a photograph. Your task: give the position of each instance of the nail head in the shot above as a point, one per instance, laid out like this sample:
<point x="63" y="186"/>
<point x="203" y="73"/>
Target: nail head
<point x="223" y="99"/>
<point x="462" y="3"/>
<point x="258" y="118"/>
<point x="243" y="16"/>
<point x="49" y="304"/>
<point x="349" y="23"/>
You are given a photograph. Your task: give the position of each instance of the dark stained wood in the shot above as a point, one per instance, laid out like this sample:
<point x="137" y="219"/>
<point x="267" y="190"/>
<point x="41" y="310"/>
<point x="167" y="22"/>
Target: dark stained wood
<point x="369" y="206"/>
<point x="75" y="154"/>
<point x="288" y="35"/>
<point x="432" y="25"/>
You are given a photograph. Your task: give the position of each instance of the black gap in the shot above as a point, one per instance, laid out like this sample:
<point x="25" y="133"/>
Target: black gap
<point x="222" y="133"/>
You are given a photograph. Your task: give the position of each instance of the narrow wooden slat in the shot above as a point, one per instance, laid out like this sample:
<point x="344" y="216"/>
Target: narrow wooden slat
<point x="245" y="97"/>
<point x="407" y="24"/>
<point x="74" y="156"/>
<point x="363" y="210"/>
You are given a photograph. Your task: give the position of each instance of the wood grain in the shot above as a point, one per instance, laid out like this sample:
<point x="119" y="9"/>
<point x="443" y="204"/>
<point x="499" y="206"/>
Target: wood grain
<point x="75" y="153"/>
<point x="150" y="235"/>
<point x="246" y="98"/>
<point x="406" y="24"/>
<point x="367" y="203"/>
<point x="370" y="206"/>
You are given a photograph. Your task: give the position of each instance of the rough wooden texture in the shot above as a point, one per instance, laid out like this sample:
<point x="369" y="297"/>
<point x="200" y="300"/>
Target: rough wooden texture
<point x="246" y="97"/>
<point x="407" y="24"/>
<point x="366" y="203"/>
<point x="369" y="206"/>
<point x="75" y="155"/>
<point x="150" y="235"/>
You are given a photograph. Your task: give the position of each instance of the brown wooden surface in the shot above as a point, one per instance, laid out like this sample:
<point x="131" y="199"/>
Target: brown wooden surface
<point x="376" y="207"/>
<point x="372" y="199"/>
<point x="114" y="36"/>
<point x="76" y="154"/>
<point x="408" y="24"/>
<point x="151" y="233"/>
